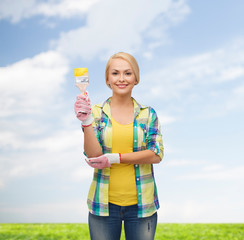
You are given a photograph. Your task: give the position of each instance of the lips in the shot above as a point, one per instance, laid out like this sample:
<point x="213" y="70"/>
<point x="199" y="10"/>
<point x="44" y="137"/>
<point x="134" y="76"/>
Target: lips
<point x="121" y="85"/>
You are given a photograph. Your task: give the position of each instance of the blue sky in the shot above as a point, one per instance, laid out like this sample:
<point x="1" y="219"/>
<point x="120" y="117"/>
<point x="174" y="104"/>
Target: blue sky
<point x="192" y="67"/>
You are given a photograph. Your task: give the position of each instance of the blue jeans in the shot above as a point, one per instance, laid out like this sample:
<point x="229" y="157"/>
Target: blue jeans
<point x="109" y="228"/>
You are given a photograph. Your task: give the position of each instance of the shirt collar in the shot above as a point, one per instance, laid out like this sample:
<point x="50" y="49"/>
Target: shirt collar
<point x="106" y="107"/>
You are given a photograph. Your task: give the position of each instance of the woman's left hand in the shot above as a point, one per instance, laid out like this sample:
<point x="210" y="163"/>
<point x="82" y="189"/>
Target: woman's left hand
<point x="104" y="161"/>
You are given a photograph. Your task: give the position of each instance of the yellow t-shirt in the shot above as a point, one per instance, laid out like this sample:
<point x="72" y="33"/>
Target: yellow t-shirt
<point x="122" y="185"/>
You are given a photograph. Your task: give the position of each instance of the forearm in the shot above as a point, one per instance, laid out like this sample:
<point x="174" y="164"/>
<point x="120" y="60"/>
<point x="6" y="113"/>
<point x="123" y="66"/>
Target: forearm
<point x="92" y="147"/>
<point x="106" y="160"/>
<point x="141" y="157"/>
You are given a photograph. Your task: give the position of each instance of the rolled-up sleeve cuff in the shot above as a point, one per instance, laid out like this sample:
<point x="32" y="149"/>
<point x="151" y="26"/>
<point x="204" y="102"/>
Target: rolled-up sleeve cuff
<point x="157" y="150"/>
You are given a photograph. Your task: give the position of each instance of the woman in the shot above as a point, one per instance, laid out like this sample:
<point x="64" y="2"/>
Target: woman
<point x="122" y="140"/>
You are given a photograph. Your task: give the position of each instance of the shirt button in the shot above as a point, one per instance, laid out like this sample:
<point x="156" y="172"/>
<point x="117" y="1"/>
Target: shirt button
<point x="140" y="194"/>
<point x="135" y="141"/>
<point x="137" y="179"/>
<point x="136" y="165"/>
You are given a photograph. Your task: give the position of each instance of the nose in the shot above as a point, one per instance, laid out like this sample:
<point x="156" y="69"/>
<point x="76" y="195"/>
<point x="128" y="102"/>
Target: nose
<point x="121" y="79"/>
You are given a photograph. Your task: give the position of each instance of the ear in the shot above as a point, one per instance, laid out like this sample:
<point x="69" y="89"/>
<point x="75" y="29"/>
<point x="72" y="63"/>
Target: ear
<point x="108" y="83"/>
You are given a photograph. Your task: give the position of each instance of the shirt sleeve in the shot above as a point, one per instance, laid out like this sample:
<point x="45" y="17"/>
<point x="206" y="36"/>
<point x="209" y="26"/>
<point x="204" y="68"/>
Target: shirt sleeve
<point x="95" y="124"/>
<point x="154" y="136"/>
<point x="96" y="113"/>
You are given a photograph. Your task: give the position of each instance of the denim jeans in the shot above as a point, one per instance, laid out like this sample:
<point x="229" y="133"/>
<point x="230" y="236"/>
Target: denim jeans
<point x="109" y="228"/>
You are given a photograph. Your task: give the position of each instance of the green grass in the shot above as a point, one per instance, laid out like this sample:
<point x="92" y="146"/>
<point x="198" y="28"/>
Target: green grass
<point x="80" y="232"/>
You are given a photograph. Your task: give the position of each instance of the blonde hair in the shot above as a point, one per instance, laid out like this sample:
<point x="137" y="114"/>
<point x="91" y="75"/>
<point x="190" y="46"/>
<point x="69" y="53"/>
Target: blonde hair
<point x="128" y="58"/>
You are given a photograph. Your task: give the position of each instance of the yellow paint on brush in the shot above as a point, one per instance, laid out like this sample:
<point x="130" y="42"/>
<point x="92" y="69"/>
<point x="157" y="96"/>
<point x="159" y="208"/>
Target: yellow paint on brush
<point x="80" y="72"/>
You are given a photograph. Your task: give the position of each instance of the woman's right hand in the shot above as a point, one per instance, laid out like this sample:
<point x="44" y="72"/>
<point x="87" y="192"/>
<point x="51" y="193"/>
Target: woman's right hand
<point x="83" y="109"/>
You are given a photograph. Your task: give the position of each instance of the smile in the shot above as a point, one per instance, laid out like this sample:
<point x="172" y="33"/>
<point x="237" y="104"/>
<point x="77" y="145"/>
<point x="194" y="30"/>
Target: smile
<point x="121" y="85"/>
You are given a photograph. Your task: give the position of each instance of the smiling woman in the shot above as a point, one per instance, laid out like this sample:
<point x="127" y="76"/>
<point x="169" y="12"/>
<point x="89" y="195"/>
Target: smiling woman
<point x="121" y="77"/>
<point x="122" y="140"/>
<point x="130" y="66"/>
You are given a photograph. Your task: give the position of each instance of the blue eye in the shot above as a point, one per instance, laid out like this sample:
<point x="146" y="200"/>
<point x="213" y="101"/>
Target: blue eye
<point x="114" y="73"/>
<point x="128" y="73"/>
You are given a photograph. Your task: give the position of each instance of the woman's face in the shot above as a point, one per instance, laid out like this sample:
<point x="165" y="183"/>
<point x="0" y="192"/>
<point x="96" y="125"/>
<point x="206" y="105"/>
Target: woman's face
<point x="121" y="77"/>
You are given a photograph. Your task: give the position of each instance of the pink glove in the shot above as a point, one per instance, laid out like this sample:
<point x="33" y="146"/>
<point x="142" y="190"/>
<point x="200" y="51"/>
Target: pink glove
<point x="83" y="109"/>
<point x="104" y="161"/>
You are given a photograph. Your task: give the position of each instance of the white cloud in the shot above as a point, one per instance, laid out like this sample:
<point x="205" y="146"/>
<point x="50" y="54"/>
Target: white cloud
<point x="121" y="26"/>
<point x="31" y="84"/>
<point x="203" y="170"/>
<point x="82" y="173"/>
<point x="65" y="8"/>
<point x="211" y="68"/>
<point x="219" y="173"/>
<point x="214" y="167"/>
<point x="237" y="98"/>
<point x="30" y="96"/>
<point x="200" y="211"/>
<point x="32" y="157"/>
<point x="183" y="162"/>
<point x="69" y="165"/>
<point x="1" y="184"/>
<point x="210" y="83"/>
<point x="71" y="211"/>
<point x="17" y="10"/>
<point x="7" y="139"/>
<point x="62" y="140"/>
<point x="165" y="118"/>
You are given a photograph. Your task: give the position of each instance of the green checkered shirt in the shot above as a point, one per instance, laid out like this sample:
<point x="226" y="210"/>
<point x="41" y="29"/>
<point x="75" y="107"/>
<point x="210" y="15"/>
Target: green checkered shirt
<point x="146" y="136"/>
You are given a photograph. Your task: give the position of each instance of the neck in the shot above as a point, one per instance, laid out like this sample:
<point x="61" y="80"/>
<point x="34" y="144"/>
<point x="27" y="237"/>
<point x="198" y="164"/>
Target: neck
<point x="121" y="101"/>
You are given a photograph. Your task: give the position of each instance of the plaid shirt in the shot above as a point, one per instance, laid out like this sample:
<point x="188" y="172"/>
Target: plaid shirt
<point x="146" y="135"/>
